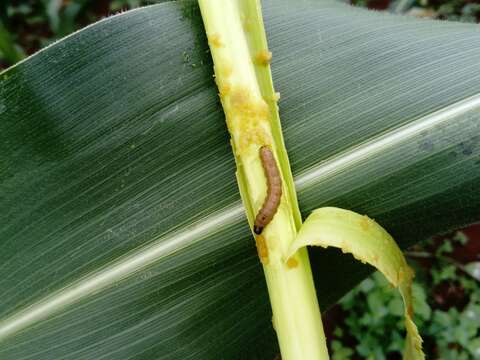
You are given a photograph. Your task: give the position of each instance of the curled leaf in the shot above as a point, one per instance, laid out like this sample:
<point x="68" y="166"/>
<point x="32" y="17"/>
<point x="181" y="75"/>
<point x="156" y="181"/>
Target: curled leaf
<point x="370" y="243"/>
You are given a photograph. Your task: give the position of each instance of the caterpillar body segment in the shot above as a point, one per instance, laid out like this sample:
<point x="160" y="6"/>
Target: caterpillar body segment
<point x="274" y="190"/>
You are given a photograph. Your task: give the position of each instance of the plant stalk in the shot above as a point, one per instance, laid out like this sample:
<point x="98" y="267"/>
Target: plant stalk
<point x="241" y="58"/>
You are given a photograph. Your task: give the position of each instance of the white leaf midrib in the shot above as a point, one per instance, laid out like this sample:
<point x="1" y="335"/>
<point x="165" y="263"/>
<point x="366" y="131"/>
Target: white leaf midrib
<point x="119" y="270"/>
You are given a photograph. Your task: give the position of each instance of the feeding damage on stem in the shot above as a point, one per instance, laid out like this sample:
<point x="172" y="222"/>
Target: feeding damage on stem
<point x="263" y="57"/>
<point x="248" y="119"/>
<point x="241" y="62"/>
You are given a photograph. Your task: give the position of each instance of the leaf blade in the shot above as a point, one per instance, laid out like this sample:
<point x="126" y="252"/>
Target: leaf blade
<point x="52" y="103"/>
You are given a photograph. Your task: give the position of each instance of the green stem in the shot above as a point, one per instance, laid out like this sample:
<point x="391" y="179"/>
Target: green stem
<point x="238" y="45"/>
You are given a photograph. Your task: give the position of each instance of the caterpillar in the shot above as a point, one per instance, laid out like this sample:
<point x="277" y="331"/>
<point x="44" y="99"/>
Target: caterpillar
<point x="274" y="190"/>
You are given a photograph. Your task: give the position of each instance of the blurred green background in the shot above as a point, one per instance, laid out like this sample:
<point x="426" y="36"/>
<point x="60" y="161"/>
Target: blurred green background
<point x="368" y="322"/>
<point x="29" y="25"/>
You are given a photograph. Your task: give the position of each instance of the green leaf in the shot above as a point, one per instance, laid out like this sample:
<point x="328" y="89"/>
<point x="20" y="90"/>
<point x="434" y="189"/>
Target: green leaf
<point x="474" y="347"/>
<point x="121" y="229"/>
<point x="473" y="269"/>
<point x="339" y="352"/>
<point x="420" y="304"/>
<point x="9" y="51"/>
<point x="447" y="272"/>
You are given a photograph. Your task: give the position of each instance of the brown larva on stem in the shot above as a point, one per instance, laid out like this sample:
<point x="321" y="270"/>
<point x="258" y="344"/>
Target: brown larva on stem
<point x="274" y="190"/>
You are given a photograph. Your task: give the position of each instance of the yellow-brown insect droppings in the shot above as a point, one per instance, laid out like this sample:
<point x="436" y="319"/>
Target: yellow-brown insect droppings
<point x="224" y="70"/>
<point x="263" y="57"/>
<point x="262" y="249"/>
<point x="292" y="263"/>
<point x="250" y="113"/>
<point x="215" y="41"/>
<point x="224" y="89"/>
<point x="240" y="99"/>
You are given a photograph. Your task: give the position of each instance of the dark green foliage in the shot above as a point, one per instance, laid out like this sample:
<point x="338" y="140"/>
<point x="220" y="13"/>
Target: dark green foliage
<point x="32" y="24"/>
<point x="455" y="10"/>
<point x="447" y="310"/>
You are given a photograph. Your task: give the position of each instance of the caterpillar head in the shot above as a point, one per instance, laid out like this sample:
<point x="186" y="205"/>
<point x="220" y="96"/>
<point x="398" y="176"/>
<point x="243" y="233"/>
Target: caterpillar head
<point x="257" y="229"/>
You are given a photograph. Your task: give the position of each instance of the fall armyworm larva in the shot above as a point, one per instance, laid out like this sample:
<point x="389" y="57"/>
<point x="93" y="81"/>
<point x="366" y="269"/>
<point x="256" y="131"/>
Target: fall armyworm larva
<point x="274" y="190"/>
